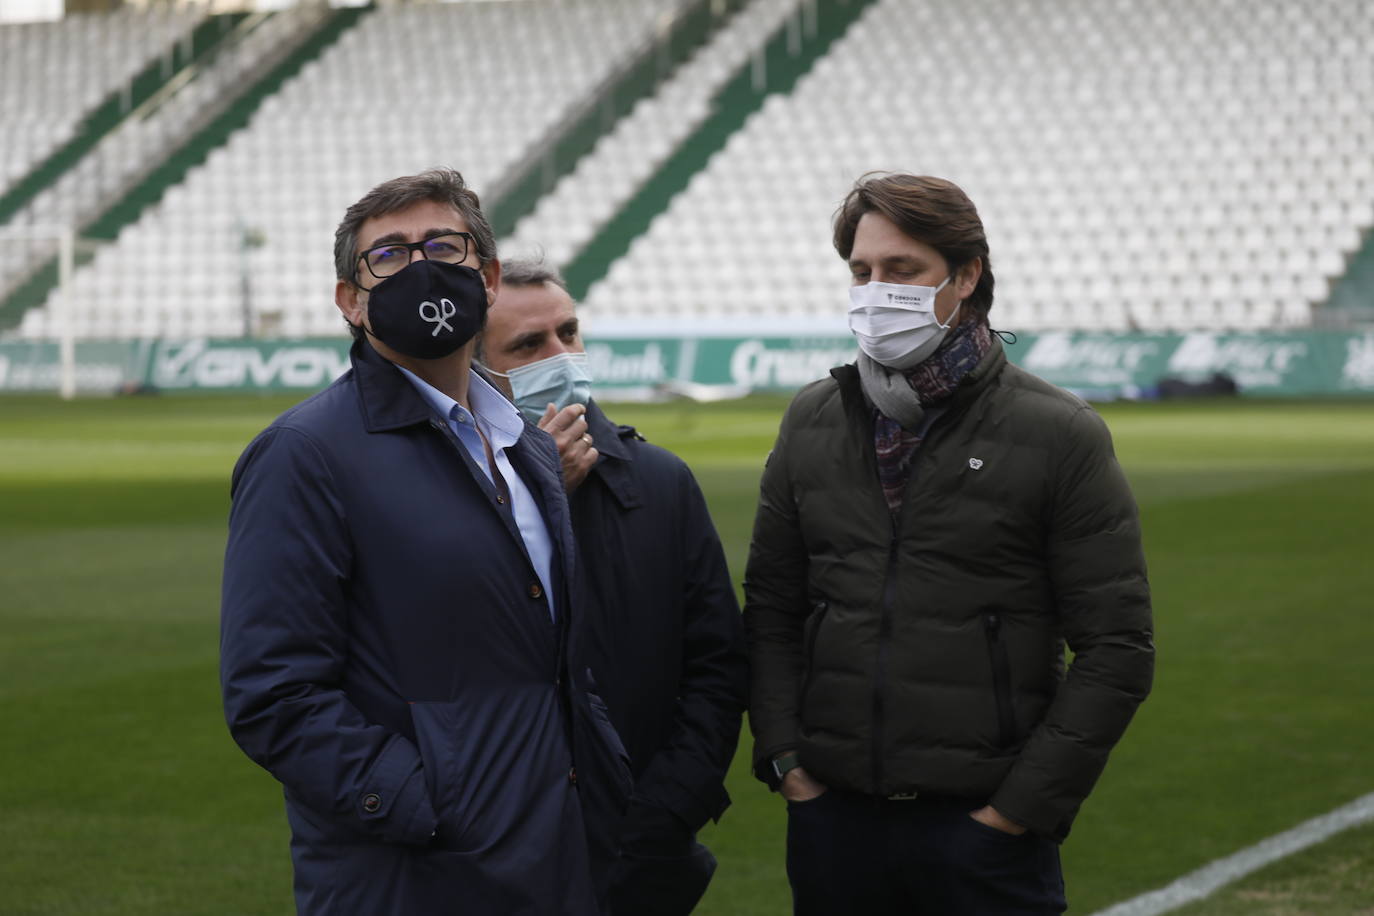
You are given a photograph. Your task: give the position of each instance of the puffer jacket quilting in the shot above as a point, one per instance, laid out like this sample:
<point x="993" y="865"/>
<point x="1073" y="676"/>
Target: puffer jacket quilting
<point x="926" y="654"/>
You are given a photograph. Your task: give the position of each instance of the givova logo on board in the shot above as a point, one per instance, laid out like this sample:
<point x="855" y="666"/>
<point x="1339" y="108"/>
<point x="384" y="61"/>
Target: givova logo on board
<point x="201" y="364"/>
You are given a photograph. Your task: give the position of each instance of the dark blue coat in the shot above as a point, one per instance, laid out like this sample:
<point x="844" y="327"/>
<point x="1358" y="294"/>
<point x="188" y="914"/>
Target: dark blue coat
<point x="388" y="655"/>
<point x="667" y="641"/>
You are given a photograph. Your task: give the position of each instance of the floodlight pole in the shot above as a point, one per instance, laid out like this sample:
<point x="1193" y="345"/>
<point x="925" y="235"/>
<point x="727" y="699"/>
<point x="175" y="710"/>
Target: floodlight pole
<point x="66" y="315"/>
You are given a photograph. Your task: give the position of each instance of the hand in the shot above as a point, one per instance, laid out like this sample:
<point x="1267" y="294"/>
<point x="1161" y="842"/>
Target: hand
<point x="648" y="830"/>
<point x="991" y="817"/>
<point x="798" y="786"/>
<point x="569" y="430"/>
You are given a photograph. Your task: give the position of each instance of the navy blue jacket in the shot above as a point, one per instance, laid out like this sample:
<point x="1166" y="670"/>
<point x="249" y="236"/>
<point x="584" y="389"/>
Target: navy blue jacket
<point x="668" y="640"/>
<point x="387" y="654"/>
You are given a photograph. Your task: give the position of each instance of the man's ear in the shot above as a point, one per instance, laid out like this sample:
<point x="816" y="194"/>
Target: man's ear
<point x="491" y="278"/>
<point x="346" y="297"/>
<point x="966" y="280"/>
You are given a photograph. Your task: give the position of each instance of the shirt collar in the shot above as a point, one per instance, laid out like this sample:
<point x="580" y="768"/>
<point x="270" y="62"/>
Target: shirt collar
<point x="495" y="411"/>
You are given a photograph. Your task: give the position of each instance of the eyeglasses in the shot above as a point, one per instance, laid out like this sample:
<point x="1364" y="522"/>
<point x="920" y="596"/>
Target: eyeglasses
<point x="391" y="258"/>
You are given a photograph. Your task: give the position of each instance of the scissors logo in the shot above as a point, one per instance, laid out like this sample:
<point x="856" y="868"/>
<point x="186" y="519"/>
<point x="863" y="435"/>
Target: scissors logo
<point x="439" y="318"/>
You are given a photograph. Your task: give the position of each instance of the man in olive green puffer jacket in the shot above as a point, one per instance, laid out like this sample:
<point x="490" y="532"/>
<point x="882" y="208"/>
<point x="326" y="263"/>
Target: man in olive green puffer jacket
<point x="934" y="526"/>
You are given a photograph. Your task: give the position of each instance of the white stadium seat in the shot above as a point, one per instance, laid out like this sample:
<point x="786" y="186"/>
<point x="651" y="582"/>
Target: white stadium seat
<point x="1139" y="164"/>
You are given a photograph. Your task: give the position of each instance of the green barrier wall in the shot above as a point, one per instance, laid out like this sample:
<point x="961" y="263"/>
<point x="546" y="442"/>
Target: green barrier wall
<point x="1298" y="364"/>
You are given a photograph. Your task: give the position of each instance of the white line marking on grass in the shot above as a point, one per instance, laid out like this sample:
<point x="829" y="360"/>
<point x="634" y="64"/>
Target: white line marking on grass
<point x="1208" y="878"/>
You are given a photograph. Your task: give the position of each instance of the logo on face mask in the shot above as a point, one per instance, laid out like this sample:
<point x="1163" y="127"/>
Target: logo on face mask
<point x="410" y="310"/>
<point x="895" y="323"/>
<point x="440" y="321"/>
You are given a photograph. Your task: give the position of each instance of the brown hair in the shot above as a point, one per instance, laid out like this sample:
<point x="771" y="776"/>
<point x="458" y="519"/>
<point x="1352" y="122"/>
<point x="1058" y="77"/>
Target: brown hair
<point x="445" y="186"/>
<point x="930" y="210"/>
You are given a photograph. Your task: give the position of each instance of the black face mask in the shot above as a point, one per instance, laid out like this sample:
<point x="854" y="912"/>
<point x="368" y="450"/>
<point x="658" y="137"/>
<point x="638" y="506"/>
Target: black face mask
<point x="429" y="309"/>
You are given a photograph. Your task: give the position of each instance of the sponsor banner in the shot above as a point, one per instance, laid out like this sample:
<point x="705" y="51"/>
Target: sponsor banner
<point x="1099" y="364"/>
<point x="34" y="366"/>
<point x="628" y="364"/>
<point x="1262" y="364"/>
<point x="245" y="365"/>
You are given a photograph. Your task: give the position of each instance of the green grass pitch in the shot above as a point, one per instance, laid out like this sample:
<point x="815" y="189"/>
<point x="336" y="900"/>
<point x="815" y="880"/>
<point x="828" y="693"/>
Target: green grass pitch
<point x="122" y="793"/>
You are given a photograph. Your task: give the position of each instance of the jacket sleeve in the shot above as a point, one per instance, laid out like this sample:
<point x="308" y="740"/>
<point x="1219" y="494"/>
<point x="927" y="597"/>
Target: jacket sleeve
<point x="283" y="641"/>
<point x="1097" y="569"/>
<point x="688" y="776"/>
<point x="775" y="609"/>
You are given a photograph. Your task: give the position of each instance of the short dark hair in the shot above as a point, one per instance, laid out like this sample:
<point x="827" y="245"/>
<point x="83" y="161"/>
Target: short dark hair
<point x="523" y="272"/>
<point x="445" y="186"/>
<point x="533" y="271"/>
<point x="930" y="210"/>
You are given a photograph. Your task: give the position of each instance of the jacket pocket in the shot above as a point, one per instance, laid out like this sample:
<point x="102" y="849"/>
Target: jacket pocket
<point x="619" y="758"/>
<point x="809" y="631"/>
<point x="446" y="761"/>
<point x="1000" y="663"/>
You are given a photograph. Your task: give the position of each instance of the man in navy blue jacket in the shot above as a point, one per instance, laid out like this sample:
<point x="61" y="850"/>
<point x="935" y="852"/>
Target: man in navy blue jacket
<point x="399" y="622"/>
<point x="668" y="643"/>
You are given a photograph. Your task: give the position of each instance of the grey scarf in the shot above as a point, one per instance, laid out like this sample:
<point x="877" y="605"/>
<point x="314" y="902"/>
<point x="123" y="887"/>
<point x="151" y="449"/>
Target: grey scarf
<point x="891" y="393"/>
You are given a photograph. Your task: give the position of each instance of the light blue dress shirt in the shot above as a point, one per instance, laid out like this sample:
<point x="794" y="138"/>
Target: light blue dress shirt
<point x="500" y="422"/>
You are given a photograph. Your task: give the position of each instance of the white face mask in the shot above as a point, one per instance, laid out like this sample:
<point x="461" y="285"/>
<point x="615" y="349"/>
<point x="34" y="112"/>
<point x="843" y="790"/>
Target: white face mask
<point x="895" y="323"/>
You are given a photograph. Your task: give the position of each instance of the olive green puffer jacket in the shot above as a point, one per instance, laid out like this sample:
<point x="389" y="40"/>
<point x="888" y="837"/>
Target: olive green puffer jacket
<point x="927" y="655"/>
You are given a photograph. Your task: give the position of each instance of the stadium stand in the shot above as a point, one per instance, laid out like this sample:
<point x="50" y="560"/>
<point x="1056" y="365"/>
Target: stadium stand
<point x="504" y="73"/>
<point x="567" y="218"/>
<point x="1139" y="164"/>
<point x="1158" y="165"/>
<point x="53" y="74"/>
<point x="126" y="142"/>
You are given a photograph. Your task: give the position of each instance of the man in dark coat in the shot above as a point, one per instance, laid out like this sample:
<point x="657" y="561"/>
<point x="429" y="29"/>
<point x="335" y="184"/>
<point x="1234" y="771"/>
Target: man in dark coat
<point x="397" y="622"/>
<point x="668" y="642"/>
<point x="934" y="526"/>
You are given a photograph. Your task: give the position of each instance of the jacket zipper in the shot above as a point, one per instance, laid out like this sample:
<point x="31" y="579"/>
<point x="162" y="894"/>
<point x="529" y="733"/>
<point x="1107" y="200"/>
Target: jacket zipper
<point x="880" y="669"/>
<point x="1001" y="679"/>
<point x="889" y="590"/>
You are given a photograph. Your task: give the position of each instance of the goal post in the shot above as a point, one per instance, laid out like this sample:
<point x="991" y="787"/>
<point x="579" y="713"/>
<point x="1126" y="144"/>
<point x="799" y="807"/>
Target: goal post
<point x="39" y="244"/>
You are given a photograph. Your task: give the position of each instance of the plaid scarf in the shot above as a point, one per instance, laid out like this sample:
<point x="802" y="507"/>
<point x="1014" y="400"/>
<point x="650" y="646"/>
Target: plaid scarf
<point x="933" y="380"/>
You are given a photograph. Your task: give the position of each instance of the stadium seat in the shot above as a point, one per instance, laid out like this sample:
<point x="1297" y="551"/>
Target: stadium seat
<point x="1150" y="164"/>
<point x="327" y="136"/>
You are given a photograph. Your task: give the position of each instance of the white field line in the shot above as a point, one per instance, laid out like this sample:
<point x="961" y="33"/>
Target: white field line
<point x="1198" y="884"/>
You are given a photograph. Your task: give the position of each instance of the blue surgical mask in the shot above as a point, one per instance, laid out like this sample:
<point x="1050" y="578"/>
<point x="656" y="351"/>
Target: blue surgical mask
<point x="559" y="380"/>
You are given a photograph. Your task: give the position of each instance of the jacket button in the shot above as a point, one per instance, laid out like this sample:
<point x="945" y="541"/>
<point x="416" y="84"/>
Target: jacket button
<point x="536" y="591"/>
<point x="572" y="775"/>
<point x="500" y="499"/>
<point x="372" y="802"/>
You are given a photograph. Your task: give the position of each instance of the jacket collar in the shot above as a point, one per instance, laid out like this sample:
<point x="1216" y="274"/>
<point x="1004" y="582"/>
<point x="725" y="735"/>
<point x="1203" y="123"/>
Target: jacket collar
<point x="972" y="384"/>
<point x="613" y="465"/>
<point x="388" y="399"/>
